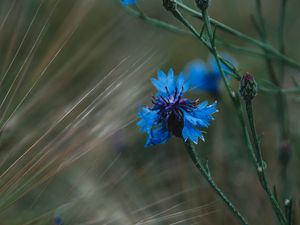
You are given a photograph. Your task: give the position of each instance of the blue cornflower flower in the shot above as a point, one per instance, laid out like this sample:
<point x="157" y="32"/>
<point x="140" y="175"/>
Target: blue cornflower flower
<point x="128" y="2"/>
<point x="207" y="77"/>
<point x="172" y="114"/>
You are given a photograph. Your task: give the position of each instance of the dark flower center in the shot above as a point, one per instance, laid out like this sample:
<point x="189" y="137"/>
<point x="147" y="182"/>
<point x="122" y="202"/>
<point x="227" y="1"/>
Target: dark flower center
<point x="175" y="123"/>
<point x="171" y="109"/>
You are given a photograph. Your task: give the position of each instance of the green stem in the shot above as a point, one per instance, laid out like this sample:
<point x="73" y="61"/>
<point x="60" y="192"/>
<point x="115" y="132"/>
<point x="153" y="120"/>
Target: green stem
<point x="270" y="49"/>
<point x="284" y="91"/>
<point x="204" y="170"/>
<point x="284" y="110"/>
<point x="239" y="49"/>
<point x="231" y="93"/>
<point x="261" y="24"/>
<point x="281" y="44"/>
<point x="261" y="167"/>
<point x="281" y="101"/>
<point x="282" y="107"/>
<point x="245" y="132"/>
<point x="235" y="99"/>
<point x="155" y="22"/>
<point x="249" y="110"/>
<point x="181" y="18"/>
<point x="172" y="28"/>
<point x="216" y="55"/>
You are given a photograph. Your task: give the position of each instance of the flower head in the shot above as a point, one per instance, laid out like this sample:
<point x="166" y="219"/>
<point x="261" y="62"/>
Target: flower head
<point x="128" y="2"/>
<point x="207" y="78"/>
<point x="172" y="114"/>
<point x="248" y="87"/>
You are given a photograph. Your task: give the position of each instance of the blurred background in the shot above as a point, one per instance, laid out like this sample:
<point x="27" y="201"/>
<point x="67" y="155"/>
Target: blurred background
<point x="74" y="73"/>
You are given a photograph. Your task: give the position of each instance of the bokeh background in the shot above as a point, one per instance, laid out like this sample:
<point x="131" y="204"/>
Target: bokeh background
<point x="73" y="74"/>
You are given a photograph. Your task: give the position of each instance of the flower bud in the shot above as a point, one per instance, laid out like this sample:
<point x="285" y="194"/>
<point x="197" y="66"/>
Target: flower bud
<point x="284" y="152"/>
<point x="202" y="4"/>
<point x="170" y="5"/>
<point x="248" y="87"/>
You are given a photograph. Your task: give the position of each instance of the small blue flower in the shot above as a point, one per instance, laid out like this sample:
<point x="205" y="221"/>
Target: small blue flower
<point x="207" y="78"/>
<point x="172" y="114"/>
<point x="128" y="2"/>
<point x="58" y="220"/>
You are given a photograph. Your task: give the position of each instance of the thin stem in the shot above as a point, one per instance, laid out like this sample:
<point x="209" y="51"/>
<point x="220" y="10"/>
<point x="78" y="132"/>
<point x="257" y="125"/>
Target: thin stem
<point x="261" y="21"/>
<point x="235" y="99"/>
<point x="261" y="168"/>
<point x="285" y="91"/>
<point x="281" y="44"/>
<point x="284" y="110"/>
<point x="172" y="28"/>
<point x="245" y="132"/>
<point x="177" y="30"/>
<point x="204" y="170"/>
<point x="254" y="134"/>
<point x="231" y="93"/>
<point x="181" y="18"/>
<point x="281" y="101"/>
<point x="215" y="54"/>
<point x="260" y="25"/>
<point x="156" y="22"/>
<point x="270" y="49"/>
<point x="239" y="49"/>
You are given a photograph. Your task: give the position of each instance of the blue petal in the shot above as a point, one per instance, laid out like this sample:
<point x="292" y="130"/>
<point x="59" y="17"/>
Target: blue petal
<point x="158" y="136"/>
<point x="162" y="77"/>
<point x="196" y="120"/>
<point x="205" y="113"/>
<point x="209" y="83"/>
<point x="199" y="118"/>
<point x="202" y="105"/>
<point x="199" y="77"/>
<point x="128" y="2"/>
<point x="160" y="86"/>
<point x="167" y="84"/>
<point x="149" y="123"/>
<point x="189" y="132"/>
<point x="171" y="83"/>
<point x="148" y="119"/>
<point x="209" y="110"/>
<point x="164" y="82"/>
<point x="182" y="85"/>
<point x="195" y="72"/>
